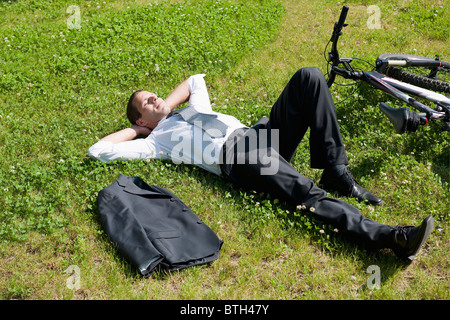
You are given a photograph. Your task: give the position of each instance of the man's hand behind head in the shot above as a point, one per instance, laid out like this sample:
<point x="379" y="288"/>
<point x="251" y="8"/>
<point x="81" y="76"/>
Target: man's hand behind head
<point x="141" y="130"/>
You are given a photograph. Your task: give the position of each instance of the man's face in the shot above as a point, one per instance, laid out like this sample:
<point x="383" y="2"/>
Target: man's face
<point x="152" y="109"/>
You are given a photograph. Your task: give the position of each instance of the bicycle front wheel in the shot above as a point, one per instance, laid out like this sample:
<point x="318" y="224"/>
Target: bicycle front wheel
<point x="432" y="78"/>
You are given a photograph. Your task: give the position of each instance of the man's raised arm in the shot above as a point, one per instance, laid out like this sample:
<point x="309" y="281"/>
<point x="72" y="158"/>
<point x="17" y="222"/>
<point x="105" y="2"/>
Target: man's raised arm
<point x="178" y="96"/>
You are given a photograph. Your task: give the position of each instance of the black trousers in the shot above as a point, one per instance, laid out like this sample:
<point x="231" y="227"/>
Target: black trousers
<point x="305" y="103"/>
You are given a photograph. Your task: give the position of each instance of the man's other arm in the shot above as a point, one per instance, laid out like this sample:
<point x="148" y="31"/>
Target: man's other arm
<point x="121" y="145"/>
<point x="127" y="134"/>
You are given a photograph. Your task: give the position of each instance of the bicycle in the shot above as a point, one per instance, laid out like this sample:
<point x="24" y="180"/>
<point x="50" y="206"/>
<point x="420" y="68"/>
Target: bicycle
<point x="387" y="76"/>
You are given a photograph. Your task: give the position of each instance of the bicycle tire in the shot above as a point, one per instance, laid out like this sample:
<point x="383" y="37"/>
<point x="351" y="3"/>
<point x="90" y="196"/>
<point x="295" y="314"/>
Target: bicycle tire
<point x="406" y="74"/>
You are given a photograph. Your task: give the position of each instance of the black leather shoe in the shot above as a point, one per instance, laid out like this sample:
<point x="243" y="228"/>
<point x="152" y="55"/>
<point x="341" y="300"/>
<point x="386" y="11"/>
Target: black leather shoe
<point x="345" y="185"/>
<point x="409" y="239"/>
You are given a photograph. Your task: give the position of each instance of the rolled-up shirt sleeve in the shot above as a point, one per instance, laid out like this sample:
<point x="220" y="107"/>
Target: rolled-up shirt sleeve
<point x="199" y="97"/>
<point x="107" y="151"/>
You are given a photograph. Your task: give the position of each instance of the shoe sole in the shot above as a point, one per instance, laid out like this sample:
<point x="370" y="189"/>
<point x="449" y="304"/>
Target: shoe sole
<point x="429" y="221"/>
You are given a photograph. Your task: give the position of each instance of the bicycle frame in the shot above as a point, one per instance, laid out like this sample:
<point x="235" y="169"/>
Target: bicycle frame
<point x="400" y="91"/>
<point x="393" y="87"/>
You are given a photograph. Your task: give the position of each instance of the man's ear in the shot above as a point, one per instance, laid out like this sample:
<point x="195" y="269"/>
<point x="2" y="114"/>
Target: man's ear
<point x="141" y="123"/>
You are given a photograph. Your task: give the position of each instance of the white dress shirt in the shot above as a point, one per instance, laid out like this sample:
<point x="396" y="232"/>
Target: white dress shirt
<point x="174" y="139"/>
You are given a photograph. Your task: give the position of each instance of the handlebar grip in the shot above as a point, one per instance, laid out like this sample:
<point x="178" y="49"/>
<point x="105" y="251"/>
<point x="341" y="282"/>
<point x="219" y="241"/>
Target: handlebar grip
<point x="343" y="16"/>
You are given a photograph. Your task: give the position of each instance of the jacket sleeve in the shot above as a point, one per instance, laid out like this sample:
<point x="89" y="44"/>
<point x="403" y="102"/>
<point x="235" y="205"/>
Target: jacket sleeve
<point x="127" y="233"/>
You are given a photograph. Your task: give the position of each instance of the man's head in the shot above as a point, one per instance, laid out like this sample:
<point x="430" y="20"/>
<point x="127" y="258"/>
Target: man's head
<point x="145" y="109"/>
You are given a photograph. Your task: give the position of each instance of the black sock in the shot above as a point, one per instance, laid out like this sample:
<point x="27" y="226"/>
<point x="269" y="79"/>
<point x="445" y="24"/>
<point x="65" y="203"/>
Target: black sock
<point x="337" y="170"/>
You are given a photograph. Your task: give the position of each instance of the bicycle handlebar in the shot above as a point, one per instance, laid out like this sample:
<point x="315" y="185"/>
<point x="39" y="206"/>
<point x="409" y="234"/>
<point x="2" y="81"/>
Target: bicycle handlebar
<point x="333" y="55"/>
<point x="338" y="28"/>
<point x="353" y="75"/>
<point x="342" y="17"/>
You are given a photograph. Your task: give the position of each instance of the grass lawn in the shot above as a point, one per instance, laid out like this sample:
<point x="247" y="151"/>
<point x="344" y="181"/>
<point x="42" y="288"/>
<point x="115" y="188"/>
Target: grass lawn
<point x="65" y="76"/>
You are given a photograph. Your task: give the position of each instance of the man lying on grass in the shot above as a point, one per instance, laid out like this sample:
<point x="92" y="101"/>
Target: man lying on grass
<point x="257" y="158"/>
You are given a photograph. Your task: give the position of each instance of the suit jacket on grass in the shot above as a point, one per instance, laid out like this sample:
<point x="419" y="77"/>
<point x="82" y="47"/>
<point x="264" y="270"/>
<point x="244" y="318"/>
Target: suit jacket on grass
<point x="152" y="227"/>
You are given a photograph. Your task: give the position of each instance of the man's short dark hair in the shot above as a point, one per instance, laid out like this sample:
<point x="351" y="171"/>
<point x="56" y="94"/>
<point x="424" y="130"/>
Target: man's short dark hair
<point x="133" y="113"/>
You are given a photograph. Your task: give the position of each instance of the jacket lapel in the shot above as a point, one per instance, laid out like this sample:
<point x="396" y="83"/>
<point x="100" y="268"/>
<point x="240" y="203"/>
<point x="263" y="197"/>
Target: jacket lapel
<point x="135" y="185"/>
